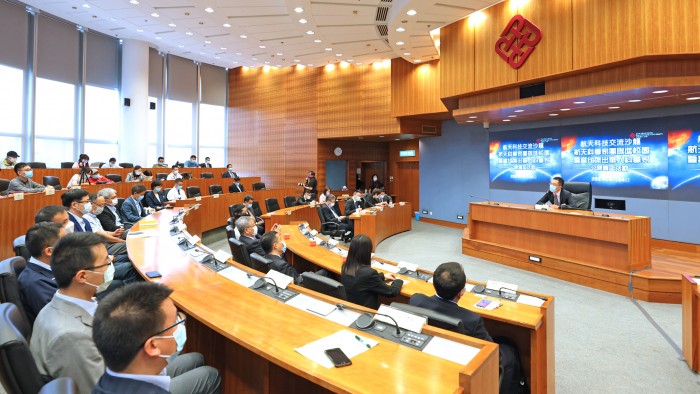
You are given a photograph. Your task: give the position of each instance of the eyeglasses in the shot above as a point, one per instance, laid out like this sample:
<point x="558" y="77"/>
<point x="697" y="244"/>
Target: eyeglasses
<point x="181" y="317"/>
<point x="108" y="260"/>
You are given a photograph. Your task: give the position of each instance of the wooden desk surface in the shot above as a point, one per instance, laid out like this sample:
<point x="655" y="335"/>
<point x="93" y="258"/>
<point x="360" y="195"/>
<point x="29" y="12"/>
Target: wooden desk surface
<point x="383" y="223"/>
<point x="532" y="328"/>
<point x="251" y="337"/>
<point x="691" y="321"/>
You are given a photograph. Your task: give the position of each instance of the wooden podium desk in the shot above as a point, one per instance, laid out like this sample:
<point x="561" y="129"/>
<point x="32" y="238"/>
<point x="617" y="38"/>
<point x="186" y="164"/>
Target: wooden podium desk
<point x="690" y="288"/>
<point x="531" y="328"/>
<point x="250" y="338"/>
<point x="299" y="213"/>
<point x="618" y="242"/>
<point x="381" y="225"/>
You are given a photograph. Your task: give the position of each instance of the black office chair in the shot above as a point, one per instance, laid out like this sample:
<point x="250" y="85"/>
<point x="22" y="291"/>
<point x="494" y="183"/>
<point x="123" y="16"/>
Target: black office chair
<point x="272" y="204"/>
<point x="120" y="201"/>
<point x="207" y="175"/>
<point x="20" y="248"/>
<point x="215" y="189"/>
<point x="38" y="164"/>
<point x="18" y="371"/>
<point x="186" y="175"/>
<point x="202" y="165"/>
<point x="435" y="319"/>
<point x="60" y="386"/>
<point x="97" y="164"/>
<point x="259" y="186"/>
<point x="4" y="185"/>
<point x="9" y="287"/>
<point x="161" y="176"/>
<point x="52" y="181"/>
<point x="289" y="201"/>
<point x="260" y="263"/>
<point x="18" y="264"/>
<point x="256" y="209"/>
<point x="126" y="165"/>
<point x="328" y="228"/>
<point x="581" y="194"/>
<point x="324" y="285"/>
<point x="223" y="174"/>
<point x="66" y="164"/>
<point x="166" y="191"/>
<point x="231" y="231"/>
<point x="193" y="191"/>
<point x="181" y="165"/>
<point x="116" y="178"/>
<point x="239" y="252"/>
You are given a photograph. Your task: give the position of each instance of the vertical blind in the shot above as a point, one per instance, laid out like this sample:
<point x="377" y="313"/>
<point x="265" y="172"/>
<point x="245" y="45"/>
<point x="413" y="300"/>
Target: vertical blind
<point x="57" y="50"/>
<point x="14" y="25"/>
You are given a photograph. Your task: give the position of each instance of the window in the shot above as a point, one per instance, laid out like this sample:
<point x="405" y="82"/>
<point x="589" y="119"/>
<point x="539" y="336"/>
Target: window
<point x="55" y="122"/>
<point x="11" y="80"/>
<point x="212" y="134"/>
<point x="102" y="123"/>
<point x="178" y="131"/>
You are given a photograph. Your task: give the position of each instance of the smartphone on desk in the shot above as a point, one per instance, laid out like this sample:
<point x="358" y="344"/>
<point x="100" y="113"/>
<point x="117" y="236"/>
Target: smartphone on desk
<point x="153" y="274"/>
<point x="338" y="358"/>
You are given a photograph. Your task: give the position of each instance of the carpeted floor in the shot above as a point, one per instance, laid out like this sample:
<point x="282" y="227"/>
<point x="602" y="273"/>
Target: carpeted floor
<point x="604" y="343"/>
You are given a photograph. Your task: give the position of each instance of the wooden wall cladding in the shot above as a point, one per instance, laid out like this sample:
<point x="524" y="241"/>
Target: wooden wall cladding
<point x="671" y="26"/>
<point x="490" y="70"/>
<point x="553" y="55"/>
<point x="456" y="58"/>
<point x="415" y="88"/>
<point x="354" y="151"/>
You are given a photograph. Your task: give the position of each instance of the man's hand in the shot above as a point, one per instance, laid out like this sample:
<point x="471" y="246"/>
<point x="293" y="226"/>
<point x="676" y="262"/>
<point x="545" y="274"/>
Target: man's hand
<point x="118" y="232"/>
<point x="388" y="276"/>
<point x="342" y="217"/>
<point x="554" y="207"/>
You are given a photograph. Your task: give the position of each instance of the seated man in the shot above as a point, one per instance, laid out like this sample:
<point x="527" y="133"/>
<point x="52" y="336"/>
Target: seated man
<point x="136" y="330"/>
<point x="160" y="163"/>
<point x="353" y="204"/>
<point x="372" y="199"/>
<point x="305" y="199"/>
<point x="23" y="183"/>
<point x="10" y="160"/>
<point x="248" y="201"/>
<point x="176" y="193"/>
<point x="115" y="244"/>
<point x="112" y="163"/>
<point x="192" y="162"/>
<point x="556" y="197"/>
<point x="111" y="218"/>
<point x="36" y="283"/>
<point x="229" y="172"/>
<point x="274" y="247"/>
<point x="331" y="213"/>
<point x="207" y="163"/>
<point x="175" y="174"/>
<point x="383" y="197"/>
<point x="132" y="210"/>
<point x="155" y="198"/>
<point x="236" y="186"/>
<point x="249" y="234"/>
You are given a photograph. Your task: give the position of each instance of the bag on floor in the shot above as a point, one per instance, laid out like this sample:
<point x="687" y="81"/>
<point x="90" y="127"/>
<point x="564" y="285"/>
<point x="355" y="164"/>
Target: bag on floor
<point x="512" y="377"/>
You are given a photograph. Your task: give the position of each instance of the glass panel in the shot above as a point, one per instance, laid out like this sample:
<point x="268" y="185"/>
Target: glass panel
<point x="212" y="130"/>
<point x="55" y="110"/>
<point x="175" y="154"/>
<point x="11" y="80"/>
<point x="101" y="114"/>
<point x="178" y="131"/>
<point x="217" y="155"/>
<point x="102" y="152"/>
<point x="53" y="152"/>
<point x="8" y="144"/>
<point x="152" y="153"/>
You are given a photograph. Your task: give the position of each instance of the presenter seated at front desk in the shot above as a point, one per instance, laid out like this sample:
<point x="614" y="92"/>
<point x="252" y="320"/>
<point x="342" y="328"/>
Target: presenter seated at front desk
<point x="255" y="333"/>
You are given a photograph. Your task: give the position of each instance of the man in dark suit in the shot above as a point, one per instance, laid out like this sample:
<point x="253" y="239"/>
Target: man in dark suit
<point x="207" y="163"/>
<point x="353" y="204"/>
<point x="449" y="281"/>
<point x="132" y="210"/>
<point x="110" y="217"/>
<point x="304" y="199"/>
<point x="155" y="198"/>
<point x="236" y="186"/>
<point x="556" y="197"/>
<point x="229" y="172"/>
<point x="36" y="283"/>
<point x="274" y="247"/>
<point x="331" y="213"/>
<point x="121" y="323"/>
<point x="249" y="234"/>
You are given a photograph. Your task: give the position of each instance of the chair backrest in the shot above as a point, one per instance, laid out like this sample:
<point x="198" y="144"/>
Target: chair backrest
<point x="60" y="386"/>
<point x="239" y="252"/>
<point x="260" y="263"/>
<point x="52" y="181"/>
<point x="272" y="204"/>
<point x="207" y="175"/>
<point x="66" y="164"/>
<point x="166" y="191"/>
<point x="18" y="264"/>
<point x="38" y="164"/>
<point x="186" y="175"/>
<point x="435" y="319"/>
<point x="4" y="184"/>
<point x="215" y="189"/>
<point x="581" y="194"/>
<point x="126" y="165"/>
<point x="193" y="191"/>
<point x="97" y="164"/>
<point x="223" y="174"/>
<point x="203" y="165"/>
<point x="20" y="248"/>
<point x="161" y="176"/>
<point x="327" y="228"/>
<point x="289" y="201"/>
<point x="18" y="371"/>
<point x="256" y="209"/>
<point x="116" y="178"/>
<point x="120" y="202"/>
<point x="259" y="186"/>
<point x="324" y="285"/>
<point x="231" y="232"/>
<point x="9" y="287"/>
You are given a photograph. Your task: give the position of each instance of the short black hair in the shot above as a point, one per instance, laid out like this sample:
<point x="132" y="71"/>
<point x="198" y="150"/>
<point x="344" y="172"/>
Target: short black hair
<point x="174" y="166"/>
<point x="147" y="173"/>
<point x="268" y="240"/>
<point x="229" y="165"/>
<point x="161" y="158"/>
<point x="237" y="178"/>
<point x="112" y="159"/>
<point x="138" y="189"/>
<point x="248" y="197"/>
<point x="137" y="167"/>
<point x="155" y="184"/>
<point x="193" y="157"/>
<point x="72" y="196"/>
<point x="237" y="210"/>
<point x="178" y="180"/>
<point x="73" y="253"/>
<point x="40" y="236"/>
<point x="47" y="213"/>
<point x="331" y="197"/>
<point x="207" y="158"/>
<point x="125" y="319"/>
<point x="376" y="191"/>
<point x="449" y="279"/>
<point x="19" y="166"/>
<point x="559" y="179"/>
<point x="93" y="197"/>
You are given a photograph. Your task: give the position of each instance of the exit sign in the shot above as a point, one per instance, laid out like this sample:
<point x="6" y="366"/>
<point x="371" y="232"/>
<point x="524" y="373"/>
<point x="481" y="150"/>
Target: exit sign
<point x="407" y="153"/>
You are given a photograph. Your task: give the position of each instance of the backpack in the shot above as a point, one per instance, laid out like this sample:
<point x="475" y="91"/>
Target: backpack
<point x="512" y="377"/>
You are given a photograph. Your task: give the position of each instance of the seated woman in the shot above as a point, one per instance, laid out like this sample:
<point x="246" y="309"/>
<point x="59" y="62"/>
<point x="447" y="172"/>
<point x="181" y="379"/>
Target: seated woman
<point x="326" y="192"/>
<point x="155" y="198"/>
<point x="363" y="283"/>
<point x="136" y="175"/>
<point x="89" y="176"/>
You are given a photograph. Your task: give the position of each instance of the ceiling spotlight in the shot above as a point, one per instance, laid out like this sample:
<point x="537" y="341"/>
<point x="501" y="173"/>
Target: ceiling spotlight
<point x="350" y="60"/>
<point x="693" y="98"/>
<point x="134" y="2"/>
<point x="565" y="109"/>
<point x="223" y="48"/>
<point x="470" y="121"/>
<point x="339" y="54"/>
<point x="317" y="40"/>
<point x="297" y="60"/>
<point x="613" y="107"/>
<point x="298" y="10"/>
<point x="310" y="32"/>
<point x="209" y="9"/>
<point x="553" y="114"/>
<point x="633" y="101"/>
<point x="201" y="53"/>
<point x="238" y="53"/>
<point x="180" y="46"/>
<point x="217" y="57"/>
<point x="262" y="46"/>
<point x="267" y="62"/>
<point x="472" y="117"/>
<point x="279" y="53"/>
<point x="579" y="102"/>
<point x="255" y="58"/>
<point x="243" y="36"/>
<point x="302" y="21"/>
<point x="519" y="110"/>
<point x="155" y="15"/>
<point x="227" y="25"/>
<point x="171" y="24"/>
<point x="660" y="91"/>
<point x="400" y="29"/>
<point x="329" y="49"/>
<point x="506" y="120"/>
<point x="86" y="5"/>
<point x="512" y="116"/>
<point x="189" y="33"/>
<point x="407" y="53"/>
<point x="359" y="64"/>
<point x="418" y="60"/>
<point x="139" y="30"/>
<point x="207" y="42"/>
<point x="158" y="38"/>
<point x="399" y="42"/>
<point x="411" y="12"/>
<point x="310" y="65"/>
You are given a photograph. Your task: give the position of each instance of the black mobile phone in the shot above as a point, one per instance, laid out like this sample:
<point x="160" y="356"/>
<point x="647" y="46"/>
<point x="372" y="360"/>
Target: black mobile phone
<point x="153" y="274"/>
<point x="338" y="358"/>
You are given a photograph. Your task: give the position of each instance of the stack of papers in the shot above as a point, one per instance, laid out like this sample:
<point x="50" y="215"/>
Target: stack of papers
<point x="350" y="343"/>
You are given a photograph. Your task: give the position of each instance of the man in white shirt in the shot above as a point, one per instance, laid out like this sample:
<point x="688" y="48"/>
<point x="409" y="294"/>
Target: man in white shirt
<point x="112" y="163"/>
<point x="177" y="192"/>
<point x="115" y="245"/>
<point x="175" y="174"/>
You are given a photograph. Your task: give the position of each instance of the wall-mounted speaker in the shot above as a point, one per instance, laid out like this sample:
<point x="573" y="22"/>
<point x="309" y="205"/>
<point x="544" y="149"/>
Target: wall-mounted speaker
<point x="127" y="102"/>
<point x="152" y="106"/>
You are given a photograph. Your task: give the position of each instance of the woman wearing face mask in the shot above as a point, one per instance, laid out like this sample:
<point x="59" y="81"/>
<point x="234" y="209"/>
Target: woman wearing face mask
<point x="87" y="176"/>
<point x="323" y="197"/>
<point x="136" y="175"/>
<point x="376" y="184"/>
<point x="83" y="161"/>
<point x="155" y="198"/>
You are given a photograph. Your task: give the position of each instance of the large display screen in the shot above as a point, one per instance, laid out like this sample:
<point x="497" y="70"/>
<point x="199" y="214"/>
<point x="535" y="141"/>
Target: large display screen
<point x="684" y="164"/>
<point x="523" y="162"/>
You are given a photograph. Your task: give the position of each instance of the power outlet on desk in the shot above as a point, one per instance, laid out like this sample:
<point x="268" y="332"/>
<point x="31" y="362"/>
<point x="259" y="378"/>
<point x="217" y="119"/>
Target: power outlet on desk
<point x="535" y="259"/>
<point x="460" y="217"/>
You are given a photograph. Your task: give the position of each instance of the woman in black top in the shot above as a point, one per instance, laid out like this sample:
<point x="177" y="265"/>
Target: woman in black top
<point x="375" y="184"/>
<point x="363" y="283"/>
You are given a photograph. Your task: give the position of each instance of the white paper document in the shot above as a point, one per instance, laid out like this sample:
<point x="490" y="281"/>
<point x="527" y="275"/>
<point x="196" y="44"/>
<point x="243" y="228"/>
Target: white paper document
<point x="497" y="285"/>
<point x="350" y="343"/>
<point x="530" y="300"/>
<point x="308" y="304"/>
<point x="222" y="256"/>
<point x="239" y="276"/>
<point x="281" y="280"/>
<point x="386" y="267"/>
<point x="452" y="351"/>
<point x="405" y="320"/>
<point x="408" y="266"/>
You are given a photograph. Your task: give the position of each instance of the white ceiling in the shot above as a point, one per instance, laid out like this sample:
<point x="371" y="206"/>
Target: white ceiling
<point x="347" y="29"/>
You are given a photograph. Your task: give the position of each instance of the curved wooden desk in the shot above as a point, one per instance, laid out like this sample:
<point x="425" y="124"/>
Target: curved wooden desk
<point x="530" y="327"/>
<point x="250" y="338"/>
<point x="382" y="224"/>
<point x="691" y="321"/>
<point x="300" y="213"/>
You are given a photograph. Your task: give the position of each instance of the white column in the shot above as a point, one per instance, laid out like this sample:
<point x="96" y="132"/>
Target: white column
<point x="133" y="141"/>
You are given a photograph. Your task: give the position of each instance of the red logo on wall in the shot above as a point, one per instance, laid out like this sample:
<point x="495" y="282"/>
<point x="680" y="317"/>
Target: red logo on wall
<point x="517" y="41"/>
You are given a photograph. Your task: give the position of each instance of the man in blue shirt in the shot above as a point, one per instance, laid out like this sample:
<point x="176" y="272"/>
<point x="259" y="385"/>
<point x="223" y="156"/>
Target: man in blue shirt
<point x="192" y="162"/>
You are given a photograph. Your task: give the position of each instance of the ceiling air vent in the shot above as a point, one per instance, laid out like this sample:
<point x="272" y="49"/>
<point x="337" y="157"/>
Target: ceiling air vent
<point x="381" y="14"/>
<point x="383" y="30"/>
<point x="426" y="129"/>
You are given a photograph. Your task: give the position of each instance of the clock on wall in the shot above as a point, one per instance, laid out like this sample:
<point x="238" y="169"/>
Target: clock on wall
<point x="338" y="151"/>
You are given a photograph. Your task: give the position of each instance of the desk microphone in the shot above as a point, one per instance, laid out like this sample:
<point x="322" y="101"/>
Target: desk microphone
<point x="261" y="282"/>
<point x="484" y="199"/>
<point x="366" y="320"/>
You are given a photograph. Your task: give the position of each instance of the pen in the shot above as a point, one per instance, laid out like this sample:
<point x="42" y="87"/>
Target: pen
<point x="363" y="342"/>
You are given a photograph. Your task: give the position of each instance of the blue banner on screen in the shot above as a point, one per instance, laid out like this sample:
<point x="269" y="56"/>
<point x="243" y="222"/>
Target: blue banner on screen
<point x="632" y="163"/>
<point x="684" y="164"/>
<point x="523" y="161"/>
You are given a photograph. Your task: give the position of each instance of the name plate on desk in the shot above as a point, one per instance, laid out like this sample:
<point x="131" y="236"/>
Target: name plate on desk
<point x="50" y="191"/>
<point x="198" y="198"/>
<point x="18" y="196"/>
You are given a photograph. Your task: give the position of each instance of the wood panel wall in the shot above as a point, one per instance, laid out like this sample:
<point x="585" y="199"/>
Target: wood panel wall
<point x="355" y="152"/>
<point x="415" y="88"/>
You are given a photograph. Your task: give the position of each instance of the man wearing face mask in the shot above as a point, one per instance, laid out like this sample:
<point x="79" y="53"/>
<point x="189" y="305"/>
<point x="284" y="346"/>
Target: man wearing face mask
<point x="353" y="204"/>
<point x="207" y="163"/>
<point x="236" y="186"/>
<point x="155" y="199"/>
<point x="176" y="193"/>
<point x="331" y="213"/>
<point x="248" y="201"/>
<point x="115" y="244"/>
<point x="249" y="234"/>
<point x="305" y="198"/>
<point x="10" y="160"/>
<point x="87" y="175"/>
<point x="175" y="174"/>
<point x="229" y="172"/>
<point x="111" y="218"/>
<point x="136" y="330"/>
<point x="274" y="248"/>
<point x="23" y="183"/>
<point x="132" y="209"/>
<point x="160" y="163"/>
<point x="556" y="197"/>
<point x="112" y="163"/>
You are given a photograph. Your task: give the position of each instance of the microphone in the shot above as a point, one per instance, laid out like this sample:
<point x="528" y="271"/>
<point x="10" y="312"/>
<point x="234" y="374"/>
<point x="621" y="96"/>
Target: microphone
<point x="261" y="282"/>
<point x="482" y="198"/>
<point x="366" y="320"/>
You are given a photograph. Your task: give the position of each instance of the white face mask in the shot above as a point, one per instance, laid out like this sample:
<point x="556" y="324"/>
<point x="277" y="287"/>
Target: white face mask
<point x="115" y="201"/>
<point x="70" y="227"/>
<point x="175" y="172"/>
<point x="180" y="336"/>
<point x="98" y="211"/>
<point x="108" y="277"/>
<point x="87" y="208"/>
<point x="137" y="173"/>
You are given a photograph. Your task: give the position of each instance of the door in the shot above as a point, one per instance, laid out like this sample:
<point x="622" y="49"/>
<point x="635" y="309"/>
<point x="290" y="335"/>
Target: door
<point x="370" y="168"/>
<point x="407" y="183"/>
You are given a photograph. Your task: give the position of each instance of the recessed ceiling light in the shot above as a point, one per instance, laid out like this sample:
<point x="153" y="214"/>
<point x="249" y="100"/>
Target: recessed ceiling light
<point x="400" y="29"/>
<point x="234" y="62"/>
<point x="298" y="10"/>
<point x="201" y="53"/>
<point x="579" y="102"/>
<point x="506" y="120"/>
<point x="470" y="121"/>
<point x="472" y="117"/>
<point x="407" y="53"/>
<point x="519" y="110"/>
<point x="329" y="49"/>
<point x="693" y="98"/>
<point x="512" y="116"/>
<point x="262" y="46"/>
<point x="310" y="64"/>
<point x="155" y="15"/>
<point x="209" y="9"/>
<point x="613" y="107"/>
<point x="660" y="91"/>
<point x="302" y="21"/>
<point x="381" y="136"/>
<point x="227" y="25"/>
<point x="180" y="46"/>
<point x="310" y="32"/>
<point x="86" y="5"/>
<point x="223" y="48"/>
<point x="350" y="60"/>
<point x="189" y="33"/>
<point x="553" y="114"/>
<point x="134" y="1"/>
<point x="565" y="109"/>
<point x="399" y="43"/>
<point x="297" y="60"/>
<point x="158" y="38"/>
<point x="238" y="53"/>
<point x="243" y="36"/>
<point x="633" y="101"/>
<point x="418" y="60"/>
<point x="317" y="40"/>
<point x="411" y="12"/>
<point x="359" y="64"/>
<point x="217" y="57"/>
<point x="139" y="30"/>
<point x="207" y="42"/>
<point x="255" y="58"/>
<point x="171" y="24"/>
<point x="113" y="19"/>
<point x="279" y="53"/>
<point x="339" y="54"/>
<point x="267" y="62"/>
